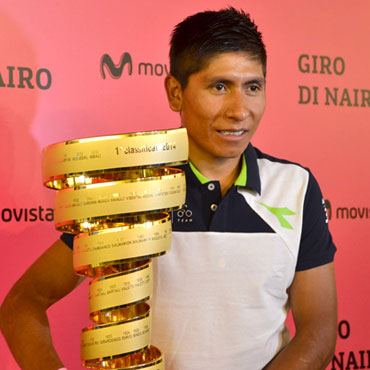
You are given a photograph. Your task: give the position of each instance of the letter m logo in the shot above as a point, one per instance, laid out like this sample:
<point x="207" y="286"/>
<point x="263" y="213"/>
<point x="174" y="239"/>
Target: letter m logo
<point x="115" y="70"/>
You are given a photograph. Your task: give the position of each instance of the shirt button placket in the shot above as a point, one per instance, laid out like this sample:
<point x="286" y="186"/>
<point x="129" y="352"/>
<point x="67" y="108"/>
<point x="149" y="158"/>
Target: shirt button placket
<point x="211" y="187"/>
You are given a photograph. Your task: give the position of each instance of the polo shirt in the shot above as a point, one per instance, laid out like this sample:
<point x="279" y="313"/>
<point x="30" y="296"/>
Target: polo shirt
<point x="220" y="299"/>
<point x="207" y="210"/>
<point x="220" y="295"/>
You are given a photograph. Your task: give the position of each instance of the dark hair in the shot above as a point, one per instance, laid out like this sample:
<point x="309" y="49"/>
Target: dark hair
<point x="203" y="35"/>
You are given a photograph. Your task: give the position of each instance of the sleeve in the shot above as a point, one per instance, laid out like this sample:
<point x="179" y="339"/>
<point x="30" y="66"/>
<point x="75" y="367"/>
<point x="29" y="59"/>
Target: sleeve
<point x="316" y="247"/>
<point x="67" y="239"/>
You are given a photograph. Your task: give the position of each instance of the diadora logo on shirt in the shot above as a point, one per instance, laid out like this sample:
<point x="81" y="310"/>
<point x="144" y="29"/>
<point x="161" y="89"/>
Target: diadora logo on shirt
<point x="280" y="213"/>
<point x="183" y="215"/>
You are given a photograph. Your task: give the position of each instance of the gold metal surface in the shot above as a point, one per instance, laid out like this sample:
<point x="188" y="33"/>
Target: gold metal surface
<point x="108" y="269"/>
<point x="74" y="207"/>
<point x="148" y="238"/>
<point x="120" y="314"/>
<point x="64" y="163"/>
<point x="149" y="358"/>
<point x="115" y="193"/>
<point x="118" y="338"/>
<point x="109" y="294"/>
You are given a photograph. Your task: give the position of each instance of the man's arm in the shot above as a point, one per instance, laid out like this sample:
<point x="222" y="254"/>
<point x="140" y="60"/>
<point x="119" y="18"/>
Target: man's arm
<point x="23" y="318"/>
<point x="314" y="308"/>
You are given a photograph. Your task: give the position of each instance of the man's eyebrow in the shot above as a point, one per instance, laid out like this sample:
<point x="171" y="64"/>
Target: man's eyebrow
<point x="259" y="80"/>
<point x="227" y="81"/>
<point x="221" y="80"/>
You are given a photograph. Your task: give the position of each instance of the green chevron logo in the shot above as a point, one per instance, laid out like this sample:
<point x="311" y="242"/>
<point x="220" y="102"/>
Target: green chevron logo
<point x="280" y="213"/>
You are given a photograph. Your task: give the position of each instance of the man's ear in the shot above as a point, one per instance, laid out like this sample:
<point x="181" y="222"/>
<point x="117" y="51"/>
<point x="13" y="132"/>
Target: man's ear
<point x="174" y="93"/>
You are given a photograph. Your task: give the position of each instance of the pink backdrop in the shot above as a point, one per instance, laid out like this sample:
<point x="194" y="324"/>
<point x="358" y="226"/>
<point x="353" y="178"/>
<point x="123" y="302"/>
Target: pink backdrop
<point x="52" y="89"/>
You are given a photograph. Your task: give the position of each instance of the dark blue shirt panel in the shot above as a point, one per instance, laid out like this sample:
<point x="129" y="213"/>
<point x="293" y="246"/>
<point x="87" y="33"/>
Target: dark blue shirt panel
<point x="206" y="210"/>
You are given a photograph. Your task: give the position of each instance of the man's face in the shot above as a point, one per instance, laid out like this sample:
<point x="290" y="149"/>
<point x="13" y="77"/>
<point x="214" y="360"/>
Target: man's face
<point x="222" y="105"/>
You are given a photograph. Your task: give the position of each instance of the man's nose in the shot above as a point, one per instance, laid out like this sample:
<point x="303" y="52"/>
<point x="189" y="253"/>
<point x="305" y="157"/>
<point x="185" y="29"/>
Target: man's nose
<point x="237" y="108"/>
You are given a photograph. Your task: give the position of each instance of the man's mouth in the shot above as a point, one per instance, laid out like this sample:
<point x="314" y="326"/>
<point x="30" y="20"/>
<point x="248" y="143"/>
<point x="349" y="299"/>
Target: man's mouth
<point x="232" y="133"/>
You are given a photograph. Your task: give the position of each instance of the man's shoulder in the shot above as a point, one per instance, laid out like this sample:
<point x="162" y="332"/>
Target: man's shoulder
<point x="262" y="155"/>
<point x="277" y="170"/>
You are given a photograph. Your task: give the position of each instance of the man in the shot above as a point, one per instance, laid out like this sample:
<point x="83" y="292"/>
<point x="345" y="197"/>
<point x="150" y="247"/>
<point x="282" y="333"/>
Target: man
<point x="255" y="241"/>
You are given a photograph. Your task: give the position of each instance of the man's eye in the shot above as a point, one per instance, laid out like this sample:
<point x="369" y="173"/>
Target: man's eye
<point x="254" y="88"/>
<point x="219" y="87"/>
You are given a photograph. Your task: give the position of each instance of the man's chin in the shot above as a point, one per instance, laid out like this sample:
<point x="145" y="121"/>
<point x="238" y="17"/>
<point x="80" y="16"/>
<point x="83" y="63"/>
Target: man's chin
<point x="230" y="155"/>
<point x="232" y="152"/>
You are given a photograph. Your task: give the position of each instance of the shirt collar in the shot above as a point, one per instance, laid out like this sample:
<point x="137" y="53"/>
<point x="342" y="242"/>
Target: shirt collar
<point x="242" y="178"/>
<point x="240" y="181"/>
<point x="203" y="179"/>
<point x="248" y="176"/>
<point x="253" y="179"/>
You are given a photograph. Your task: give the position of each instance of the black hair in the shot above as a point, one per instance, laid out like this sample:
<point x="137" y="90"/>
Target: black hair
<point x="204" y="35"/>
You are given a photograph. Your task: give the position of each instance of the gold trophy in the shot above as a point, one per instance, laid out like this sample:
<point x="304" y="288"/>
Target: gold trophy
<point x="115" y="194"/>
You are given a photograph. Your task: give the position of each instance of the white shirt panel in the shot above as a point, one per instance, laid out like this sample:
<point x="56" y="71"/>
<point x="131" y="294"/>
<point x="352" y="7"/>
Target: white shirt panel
<point x="219" y="300"/>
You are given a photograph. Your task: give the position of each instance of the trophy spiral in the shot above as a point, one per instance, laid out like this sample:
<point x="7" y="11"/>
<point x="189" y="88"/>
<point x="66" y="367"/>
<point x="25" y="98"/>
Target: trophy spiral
<point x="115" y="193"/>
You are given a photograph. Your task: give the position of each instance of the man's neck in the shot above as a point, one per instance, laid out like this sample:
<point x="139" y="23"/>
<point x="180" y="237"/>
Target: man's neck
<point x="224" y="170"/>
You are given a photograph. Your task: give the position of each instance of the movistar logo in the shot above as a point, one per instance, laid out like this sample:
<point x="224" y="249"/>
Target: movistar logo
<point x="116" y="70"/>
<point x="342" y="213"/>
<point x="280" y="213"/>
